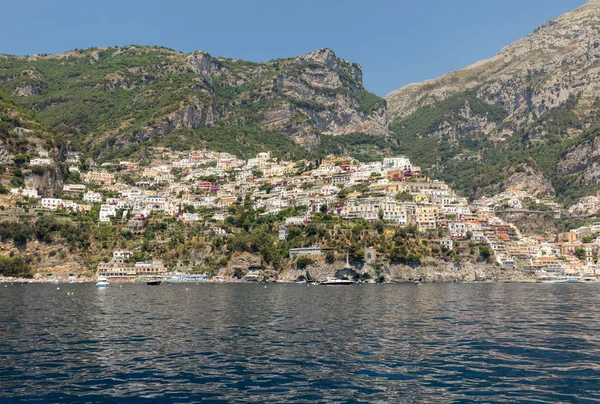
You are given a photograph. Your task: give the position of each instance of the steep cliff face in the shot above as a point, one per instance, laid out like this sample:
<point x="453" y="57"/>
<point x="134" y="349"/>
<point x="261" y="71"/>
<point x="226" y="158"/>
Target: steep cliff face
<point x="534" y="103"/>
<point x="526" y="78"/>
<point x="195" y="115"/>
<point x="531" y="181"/>
<point x="117" y="97"/>
<point x="48" y="184"/>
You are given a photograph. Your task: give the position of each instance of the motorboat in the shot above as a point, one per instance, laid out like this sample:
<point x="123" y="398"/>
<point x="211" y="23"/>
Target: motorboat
<point x="336" y="281"/>
<point x="102" y="282"/>
<point x="150" y="280"/>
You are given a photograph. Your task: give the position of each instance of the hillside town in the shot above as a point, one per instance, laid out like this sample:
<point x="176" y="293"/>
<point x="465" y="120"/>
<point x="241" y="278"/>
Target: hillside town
<point x="199" y="188"/>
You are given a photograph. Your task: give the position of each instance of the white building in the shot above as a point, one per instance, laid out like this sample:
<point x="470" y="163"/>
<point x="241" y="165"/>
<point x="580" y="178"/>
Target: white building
<point x="457" y="229"/>
<point x="191" y="217"/>
<point x="282" y="234"/>
<point x="446" y="243"/>
<point x="123" y="255"/>
<point x="51" y="203"/>
<point x="30" y="193"/>
<point x="106" y="212"/>
<point x="370" y="209"/>
<point x="296" y="220"/>
<point x="399" y="163"/>
<point x="40" y="162"/>
<point x="73" y="157"/>
<point x="91" y="196"/>
<point x="74" y="188"/>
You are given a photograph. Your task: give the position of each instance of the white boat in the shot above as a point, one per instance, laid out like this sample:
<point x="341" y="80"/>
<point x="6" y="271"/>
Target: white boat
<point x="336" y="281"/>
<point x="102" y="282"/>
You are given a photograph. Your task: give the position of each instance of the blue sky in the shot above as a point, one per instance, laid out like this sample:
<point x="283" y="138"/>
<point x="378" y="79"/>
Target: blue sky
<point x="397" y="42"/>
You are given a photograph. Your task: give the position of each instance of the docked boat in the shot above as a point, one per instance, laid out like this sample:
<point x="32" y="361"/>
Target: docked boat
<point x="102" y="282"/>
<point x="150" y="280"/>
<point x="336" y="281"/>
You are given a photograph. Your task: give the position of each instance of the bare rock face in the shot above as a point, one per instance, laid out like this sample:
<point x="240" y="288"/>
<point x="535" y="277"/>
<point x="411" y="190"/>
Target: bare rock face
<point x="6" y="156"/>
<point x="304" y="135"/>
<point x="324" y="89"/>
<point x="30" y="82"/>
<point x="27" y="89"/>
<point x="434" y="271"/>
<point x="278" y="117"/>
<point x="193" y="116"/>
<point x="344" y="119"/>
<point x="202" y="63"/>
<point x="583" y="160"/>
<point x="529" y="180"/>
<point x="239" y="263"/>
<point x="320" y="270"/>
<point x="325" y="69"/>
<point x="464" y="123"/>
<point x="49" y="184"/>
<point x="528" y="77"/>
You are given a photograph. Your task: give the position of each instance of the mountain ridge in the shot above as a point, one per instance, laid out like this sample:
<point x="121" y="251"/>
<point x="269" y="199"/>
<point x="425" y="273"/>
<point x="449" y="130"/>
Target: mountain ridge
<point x="591" y="7"/>
<point x="134" y="94"/>
<point x="533" y="107"/>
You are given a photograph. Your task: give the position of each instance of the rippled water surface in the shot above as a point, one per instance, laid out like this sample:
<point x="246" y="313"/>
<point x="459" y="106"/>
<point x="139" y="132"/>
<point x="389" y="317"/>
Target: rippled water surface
<point x="298" y="343"/>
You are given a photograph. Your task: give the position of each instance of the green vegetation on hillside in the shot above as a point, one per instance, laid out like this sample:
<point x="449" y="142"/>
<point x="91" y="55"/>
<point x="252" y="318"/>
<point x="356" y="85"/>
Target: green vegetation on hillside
<point x="368" y="100"/>
<point x="109" y="100"/>
<point x="360" y="146"/>
<point x="473" y="164"/>
<point x="14" y="116"/>
<point x="412" y="132"/>
<point x="16" y="266"/>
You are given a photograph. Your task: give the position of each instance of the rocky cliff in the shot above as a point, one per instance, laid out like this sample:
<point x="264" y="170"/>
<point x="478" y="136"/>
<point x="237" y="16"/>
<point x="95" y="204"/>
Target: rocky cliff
<point x="534" y="103"/>
<point x="48" y="184"/>
<point x="527" y="78"/>
<point x="115" y="98"/>
<point x="430" y="270"/>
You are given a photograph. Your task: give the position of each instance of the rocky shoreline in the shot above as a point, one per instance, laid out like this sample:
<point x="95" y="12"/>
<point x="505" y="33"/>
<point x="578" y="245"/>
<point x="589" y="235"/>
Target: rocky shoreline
<point x="430" y="270"/>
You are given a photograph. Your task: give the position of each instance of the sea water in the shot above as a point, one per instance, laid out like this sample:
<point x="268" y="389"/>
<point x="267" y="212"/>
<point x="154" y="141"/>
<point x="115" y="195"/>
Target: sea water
<point x="300" y="343"/>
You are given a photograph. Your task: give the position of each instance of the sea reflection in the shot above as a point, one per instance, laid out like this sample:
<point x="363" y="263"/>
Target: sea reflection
<point x="299" y="343"/>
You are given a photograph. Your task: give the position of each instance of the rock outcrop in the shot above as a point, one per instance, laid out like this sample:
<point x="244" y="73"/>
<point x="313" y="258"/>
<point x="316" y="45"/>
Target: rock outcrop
<point x="584" y="160"/>
<point x="48" y="184"/>
<point x="195" y="115"/>
<point x="429" y="271"/>
<point x="531" y="181"/>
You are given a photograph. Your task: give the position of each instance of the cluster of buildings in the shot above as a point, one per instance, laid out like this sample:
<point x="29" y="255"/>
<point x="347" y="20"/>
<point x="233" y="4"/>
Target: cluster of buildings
<point x="200" y="186"/>
<point x="120" y="266"/>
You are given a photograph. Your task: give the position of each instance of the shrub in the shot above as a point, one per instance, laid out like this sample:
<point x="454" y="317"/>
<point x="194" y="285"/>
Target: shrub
<point x="303" y="262"/>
